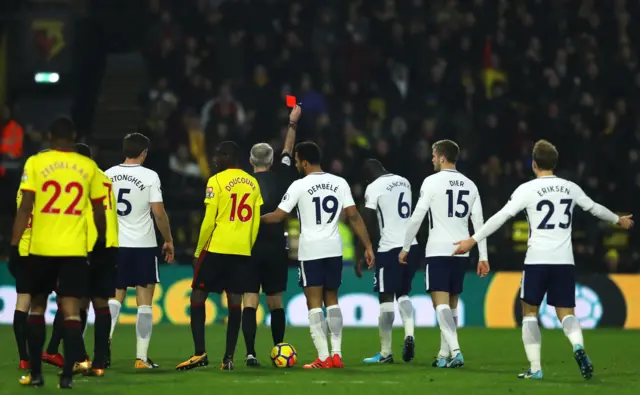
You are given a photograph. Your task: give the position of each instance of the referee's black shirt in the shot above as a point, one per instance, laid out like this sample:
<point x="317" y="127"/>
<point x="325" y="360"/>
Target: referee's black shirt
<point x="273" y="185"/>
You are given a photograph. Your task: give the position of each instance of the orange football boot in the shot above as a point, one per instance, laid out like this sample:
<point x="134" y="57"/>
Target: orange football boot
<point x="337" y="361"/>
<point x="320" y="364"/>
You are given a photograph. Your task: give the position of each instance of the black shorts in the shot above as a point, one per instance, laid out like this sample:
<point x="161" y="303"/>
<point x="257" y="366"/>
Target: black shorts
<point x="222" y="272"/>
<point x="102" y="273"/>
<point x="68" y="276"/>
<point x="19" y="270"/>
<point x="269" y="271"/>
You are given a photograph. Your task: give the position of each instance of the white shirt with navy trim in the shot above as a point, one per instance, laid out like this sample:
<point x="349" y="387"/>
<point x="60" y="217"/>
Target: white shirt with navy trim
<point x="135" y="188"/>
<point x="390" y="196"/>
<point x="548" y="203"/>
<point x="319" y="198"/>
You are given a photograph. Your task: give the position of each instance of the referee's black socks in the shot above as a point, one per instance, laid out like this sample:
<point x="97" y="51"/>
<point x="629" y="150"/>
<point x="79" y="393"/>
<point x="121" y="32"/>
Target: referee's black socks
<point x="56" y="335"/>
<point x="278" y="323"/>
<point x="249" y="327"/>
<point x="233" y="329"/>
<point x="21" y="333"/>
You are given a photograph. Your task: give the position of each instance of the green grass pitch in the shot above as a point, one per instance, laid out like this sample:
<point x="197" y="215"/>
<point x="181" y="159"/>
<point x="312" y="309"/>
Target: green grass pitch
<point x="493" y="359"/>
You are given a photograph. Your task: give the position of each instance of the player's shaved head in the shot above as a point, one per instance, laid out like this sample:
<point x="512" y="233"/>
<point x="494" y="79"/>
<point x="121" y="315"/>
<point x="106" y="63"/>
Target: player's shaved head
<point x="373" y="169"/>
<point x="62" y="129"/>
<point x="82" y="149"/>
<point x="447" y="148"/>
<point x="227" y="155"/>
<point x="545" y="155"/>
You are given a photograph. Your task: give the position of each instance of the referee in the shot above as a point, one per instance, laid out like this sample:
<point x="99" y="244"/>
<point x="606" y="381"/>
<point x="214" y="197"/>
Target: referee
<point x="269" y="254"/>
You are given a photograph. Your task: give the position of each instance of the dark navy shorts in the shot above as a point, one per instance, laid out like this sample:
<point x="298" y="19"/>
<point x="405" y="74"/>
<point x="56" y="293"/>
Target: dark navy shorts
<point x="393" y="277"/>
<point x="557" y="281"/>
<point x="324" y="272"/>
<point x="445" y="274"/>
<point x="137" y="267"/>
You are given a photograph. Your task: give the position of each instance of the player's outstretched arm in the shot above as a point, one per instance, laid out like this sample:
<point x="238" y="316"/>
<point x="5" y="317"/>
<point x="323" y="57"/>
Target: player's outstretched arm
<point x="357" y="224"/>
<point x="274" y="217"/>
<point x="22" y="216"/>
<point x="601" y="212"/>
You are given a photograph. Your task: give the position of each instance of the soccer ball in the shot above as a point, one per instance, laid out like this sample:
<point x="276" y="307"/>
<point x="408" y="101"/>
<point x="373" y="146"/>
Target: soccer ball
<point x="283" y="355"/>
<point x="588" y="309"/>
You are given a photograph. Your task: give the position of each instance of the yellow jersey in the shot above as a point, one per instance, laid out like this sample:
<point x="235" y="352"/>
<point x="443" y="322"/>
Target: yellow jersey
<point x="111" y="217"/>
<point x="23" y="247"/>
<point x="232" y="216"/>
<point x="63" y="183"/>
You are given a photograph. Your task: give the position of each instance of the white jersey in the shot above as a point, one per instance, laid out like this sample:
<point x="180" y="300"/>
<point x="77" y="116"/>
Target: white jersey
<point x="135" y="188"/>
<point x="320" y="198"/>
<point x="449" y="199"/>
<point x="548" y="203"/>
<point x="390" y="196"/>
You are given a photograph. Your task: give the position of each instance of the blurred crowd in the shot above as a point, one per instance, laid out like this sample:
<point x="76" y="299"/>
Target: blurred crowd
<point x="387" y="78"/>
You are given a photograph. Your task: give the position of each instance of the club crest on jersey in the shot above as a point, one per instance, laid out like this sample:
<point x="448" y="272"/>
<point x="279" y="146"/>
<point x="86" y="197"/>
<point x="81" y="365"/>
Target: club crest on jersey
<point x="24" y="177"/>
<point x="209" y="194"/>
<point x="285" y="197"/>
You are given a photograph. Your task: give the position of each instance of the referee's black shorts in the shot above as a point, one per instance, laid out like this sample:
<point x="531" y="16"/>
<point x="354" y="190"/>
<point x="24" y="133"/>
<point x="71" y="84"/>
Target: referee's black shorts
<point x="18" y="268"/>
<point x="102" y="273"/>
<point x="216" y="273"/>
<point x="269" y="271"/>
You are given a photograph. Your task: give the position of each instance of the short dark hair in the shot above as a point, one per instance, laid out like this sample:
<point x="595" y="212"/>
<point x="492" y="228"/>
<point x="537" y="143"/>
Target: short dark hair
<point x="447" y="148"/>
<point x="82" y="149"/>
<point x="62" y="128"/>
<point x="545" y="155"/>
<point x="309" y="151"/>
<point x="134" y="144"/>
<point x="227" y="154"/>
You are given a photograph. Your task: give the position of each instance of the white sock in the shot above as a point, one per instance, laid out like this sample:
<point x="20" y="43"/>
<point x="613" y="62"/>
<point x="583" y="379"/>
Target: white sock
<point x="532" y="340"/>
<point x="114" y="309"/>
<point x="316" y="321"/>
<point x="454" y="312"/>
<point x="334" y="322"/>
<point x="572" y="330"/>
<point x="387" y="315"/>
<point x="405" y="307"/>
<point x="448" y="328"/>
<point x="144" y="326"/>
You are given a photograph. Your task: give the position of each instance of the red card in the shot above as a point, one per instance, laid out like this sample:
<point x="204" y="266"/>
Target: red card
<point x="291" y="101"/>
